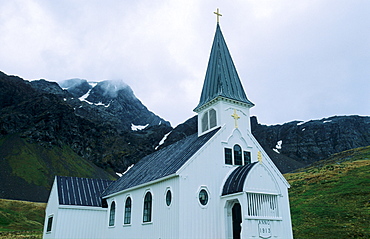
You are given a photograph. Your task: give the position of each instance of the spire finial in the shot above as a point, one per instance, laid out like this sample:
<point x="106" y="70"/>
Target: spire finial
<point x="218" y="15"/>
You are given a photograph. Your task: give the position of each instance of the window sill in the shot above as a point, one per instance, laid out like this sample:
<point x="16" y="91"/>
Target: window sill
<point x="126" y="225"/>
<point x="146" y="223"/>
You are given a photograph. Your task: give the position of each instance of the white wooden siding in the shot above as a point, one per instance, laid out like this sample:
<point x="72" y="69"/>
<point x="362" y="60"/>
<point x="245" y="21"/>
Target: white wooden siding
<point x="165" y="219"/>
<point x="51" y="210"/>
<point x="77" y="223"/>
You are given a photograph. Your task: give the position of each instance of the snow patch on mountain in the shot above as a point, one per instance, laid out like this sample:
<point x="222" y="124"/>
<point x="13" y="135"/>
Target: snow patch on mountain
<point x="278" y="146"/>
<point x="85" y="96"/>
<point x="138" y="127"/>
<point x="101" y="103"/>
<point x="120" y="174"/>
<point x="162" y="140"/>
<point x="129" y="167"/>
<point x="302" y="122"/>
<point x="92" y="84"/>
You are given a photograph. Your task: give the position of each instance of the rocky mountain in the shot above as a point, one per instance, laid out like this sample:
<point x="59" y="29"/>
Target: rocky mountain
<point x="314" y="140"/>
<point x="297" y="144"/>
<point x="40" y="115"/>
<point x="105" y="101"/>
<point x="104" y="125"/>
<point x="44" y="113"/>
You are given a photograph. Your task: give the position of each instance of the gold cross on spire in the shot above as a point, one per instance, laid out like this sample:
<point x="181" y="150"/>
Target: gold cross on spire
<point x="236" y="117"/>
<point x="218" y="15"/>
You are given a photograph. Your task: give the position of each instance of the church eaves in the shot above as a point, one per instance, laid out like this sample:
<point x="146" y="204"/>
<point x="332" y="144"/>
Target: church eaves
<point x="221" y="79"/>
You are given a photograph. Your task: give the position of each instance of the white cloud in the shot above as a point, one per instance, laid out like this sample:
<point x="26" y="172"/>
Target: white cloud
<point x="311" y="55"/>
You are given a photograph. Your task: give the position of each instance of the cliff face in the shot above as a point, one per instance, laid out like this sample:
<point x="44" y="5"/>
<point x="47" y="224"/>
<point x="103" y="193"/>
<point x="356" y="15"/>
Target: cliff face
<point x="314" y="140"/>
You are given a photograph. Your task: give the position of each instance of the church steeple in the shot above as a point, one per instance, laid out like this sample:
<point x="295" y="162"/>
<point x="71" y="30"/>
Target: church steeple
<point x="223" y="100"/>
<point x="222" y="80"/>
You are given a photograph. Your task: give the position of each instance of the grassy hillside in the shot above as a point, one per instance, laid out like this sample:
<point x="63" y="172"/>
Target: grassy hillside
<point x="331" y="199"/>
<point x="328" y="200"/>
<point x="29" y="169"/>
<point x="21" y="219"/>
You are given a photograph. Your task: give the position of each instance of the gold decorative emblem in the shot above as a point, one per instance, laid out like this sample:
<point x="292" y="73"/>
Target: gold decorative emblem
<point x="218" y="15"/>
<point x="259" y="157"/>
<point x="236" y="117"/>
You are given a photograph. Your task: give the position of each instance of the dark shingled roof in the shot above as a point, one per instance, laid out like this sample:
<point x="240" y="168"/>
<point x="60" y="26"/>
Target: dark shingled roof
<point x="81" y="191"/>
<point x="235" y="181"/>
<point x="160" y="164"/>
<point x="221" y="79"/>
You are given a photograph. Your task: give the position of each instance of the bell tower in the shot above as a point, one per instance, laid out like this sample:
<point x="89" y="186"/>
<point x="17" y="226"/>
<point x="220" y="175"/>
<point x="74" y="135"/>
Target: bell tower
<point x="223" y="100"/>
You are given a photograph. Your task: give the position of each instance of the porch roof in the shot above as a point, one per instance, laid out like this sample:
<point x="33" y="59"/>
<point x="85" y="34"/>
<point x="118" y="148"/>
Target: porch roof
<point x="236" y="179"/>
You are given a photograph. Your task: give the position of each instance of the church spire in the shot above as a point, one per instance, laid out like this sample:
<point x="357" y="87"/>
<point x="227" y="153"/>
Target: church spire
<point x="222" y="80"/>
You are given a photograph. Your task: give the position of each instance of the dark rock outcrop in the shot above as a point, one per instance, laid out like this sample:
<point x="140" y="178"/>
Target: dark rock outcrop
<point x="102" y="102"/>
<point x="297" y="144"/>
<point x="44" y="113"/>
<point x="314" y="140"/>
<point x="181" y="131"/>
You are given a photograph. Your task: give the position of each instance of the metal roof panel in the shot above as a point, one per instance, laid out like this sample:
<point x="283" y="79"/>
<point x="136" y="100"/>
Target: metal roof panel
<point x="160" y="164"/>
<point x="80" y="191"/>
<point x="236" y="179"/>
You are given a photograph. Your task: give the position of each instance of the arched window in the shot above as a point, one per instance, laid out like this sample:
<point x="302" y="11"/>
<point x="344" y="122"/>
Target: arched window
<point x="238" y="156"/>
<point x="205" y="122"/>
<point x="127" y="219"/>
<point x="212" y="118"/>
<point x="209" y="120"/>
<point x="112" y="214"/>
<point x="147" y="213"/>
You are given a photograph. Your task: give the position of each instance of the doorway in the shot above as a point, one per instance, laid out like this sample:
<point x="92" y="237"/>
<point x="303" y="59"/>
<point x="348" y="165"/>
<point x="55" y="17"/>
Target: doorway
<point x="237" y="220"/>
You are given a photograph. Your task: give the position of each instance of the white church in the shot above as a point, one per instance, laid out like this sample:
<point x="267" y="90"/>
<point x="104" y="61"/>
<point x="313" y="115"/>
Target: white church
<point x="218" y="183"/>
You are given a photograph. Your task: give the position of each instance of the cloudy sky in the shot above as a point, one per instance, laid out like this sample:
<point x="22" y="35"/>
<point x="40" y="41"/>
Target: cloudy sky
<point x="298" y="60"/>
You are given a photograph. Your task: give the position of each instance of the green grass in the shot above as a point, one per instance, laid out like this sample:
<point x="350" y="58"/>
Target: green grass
<point x="38" y="165"/>
<point x="21" y="235"/>
<point x="328" y="200"/>
<point x="21" y="216"/>
<point x="332" y="198"/>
